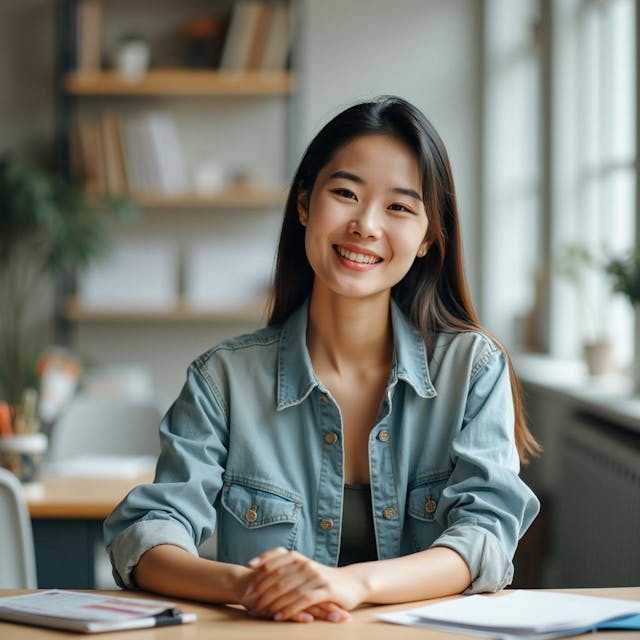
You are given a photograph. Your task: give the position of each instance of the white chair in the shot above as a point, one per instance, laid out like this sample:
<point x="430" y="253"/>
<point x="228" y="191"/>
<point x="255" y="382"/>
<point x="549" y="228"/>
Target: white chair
<point x="105" y="426"/>
<point x="17" y="554"/>
<point x="99" y="426"/>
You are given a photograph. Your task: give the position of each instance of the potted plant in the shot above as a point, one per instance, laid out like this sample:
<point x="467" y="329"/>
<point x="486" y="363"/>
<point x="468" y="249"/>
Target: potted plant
<point x="48" y="229"/>
<point x="576" y="265"/>
<point x="132" y="55"/>
<point x="624" y="273"/>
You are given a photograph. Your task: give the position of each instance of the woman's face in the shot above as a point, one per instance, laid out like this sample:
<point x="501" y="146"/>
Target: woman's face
<point x="365" y="220"/>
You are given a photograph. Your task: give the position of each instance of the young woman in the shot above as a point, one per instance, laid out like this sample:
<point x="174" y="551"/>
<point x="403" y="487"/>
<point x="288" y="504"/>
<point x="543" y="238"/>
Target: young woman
<point x="365" y="445"/>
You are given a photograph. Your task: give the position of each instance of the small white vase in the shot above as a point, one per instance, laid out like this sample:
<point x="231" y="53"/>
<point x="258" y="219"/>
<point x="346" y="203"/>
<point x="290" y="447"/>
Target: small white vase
<point x="132" y="60"/>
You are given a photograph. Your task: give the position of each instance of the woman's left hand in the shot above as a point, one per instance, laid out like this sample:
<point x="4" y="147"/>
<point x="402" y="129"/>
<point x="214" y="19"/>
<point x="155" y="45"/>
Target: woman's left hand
<point x="286" y="583"/>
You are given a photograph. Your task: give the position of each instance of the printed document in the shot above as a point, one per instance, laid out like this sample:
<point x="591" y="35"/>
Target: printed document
<point x="523" y="614"/>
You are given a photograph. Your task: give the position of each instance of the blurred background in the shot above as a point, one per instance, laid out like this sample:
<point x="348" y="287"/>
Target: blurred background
<point x="147" y="147"/>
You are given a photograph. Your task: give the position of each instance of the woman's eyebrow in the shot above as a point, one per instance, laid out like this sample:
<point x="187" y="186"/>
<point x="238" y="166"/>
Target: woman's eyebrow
<point x="347" y="175"/>
<point x="407" y="192"/>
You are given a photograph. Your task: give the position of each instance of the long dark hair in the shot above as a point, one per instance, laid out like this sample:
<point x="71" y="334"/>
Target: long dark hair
<point x="434" y="293"/>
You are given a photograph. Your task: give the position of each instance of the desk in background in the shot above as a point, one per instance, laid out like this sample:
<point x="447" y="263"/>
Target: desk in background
<point x="67" y="515"/>
<point x="233" y="623"/>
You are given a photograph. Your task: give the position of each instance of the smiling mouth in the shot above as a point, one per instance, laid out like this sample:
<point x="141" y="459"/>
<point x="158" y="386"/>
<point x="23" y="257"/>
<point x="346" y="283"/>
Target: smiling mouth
<point x="361" y="258"/>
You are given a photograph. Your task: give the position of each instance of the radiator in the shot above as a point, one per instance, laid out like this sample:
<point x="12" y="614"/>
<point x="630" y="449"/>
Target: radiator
<point x="598" y="505"/>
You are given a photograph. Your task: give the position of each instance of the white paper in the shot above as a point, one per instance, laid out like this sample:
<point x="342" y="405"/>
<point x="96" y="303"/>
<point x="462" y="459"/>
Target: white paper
<point x="102" y="466"/>
<point x="517" y="613"/>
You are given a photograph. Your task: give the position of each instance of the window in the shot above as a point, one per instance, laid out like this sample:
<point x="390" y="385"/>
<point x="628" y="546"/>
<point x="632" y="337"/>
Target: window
<point x="598" y="208"/>
<point x="511" y="168"/>
<point x="559" y="89"/>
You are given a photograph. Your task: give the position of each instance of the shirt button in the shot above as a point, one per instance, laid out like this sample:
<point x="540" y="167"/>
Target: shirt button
<point x="251" y="515"/>
<point x="326" y="524"/>
<point x="430" y="505"/>
<point x="325" y="398"/>
<point x="383" y="435"/>
<point x="389" y="513"/>
<point x="331" y="438"/>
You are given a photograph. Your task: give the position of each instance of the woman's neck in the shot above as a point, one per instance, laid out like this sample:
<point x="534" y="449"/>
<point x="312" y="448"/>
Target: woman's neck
<point x="349" y="333"/>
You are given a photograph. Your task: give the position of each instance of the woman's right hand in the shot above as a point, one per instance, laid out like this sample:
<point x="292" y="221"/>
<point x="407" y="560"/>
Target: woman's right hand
<point x="321" y="611"/>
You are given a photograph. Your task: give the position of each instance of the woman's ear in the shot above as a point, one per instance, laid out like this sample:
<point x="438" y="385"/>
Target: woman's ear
<point x="303" y="207"/>
<point x="422" y="251"/>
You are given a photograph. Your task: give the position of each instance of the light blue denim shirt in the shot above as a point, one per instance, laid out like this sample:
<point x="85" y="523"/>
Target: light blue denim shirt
<point x="252" y="447"/>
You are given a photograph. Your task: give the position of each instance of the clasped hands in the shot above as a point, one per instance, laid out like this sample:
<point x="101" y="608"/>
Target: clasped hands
<point x="285" y="585"/>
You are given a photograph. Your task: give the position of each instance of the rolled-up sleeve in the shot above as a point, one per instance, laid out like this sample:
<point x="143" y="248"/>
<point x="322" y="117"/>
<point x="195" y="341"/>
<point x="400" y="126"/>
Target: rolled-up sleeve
<point x="178" y="508"/>
<point x="486" y="506"/>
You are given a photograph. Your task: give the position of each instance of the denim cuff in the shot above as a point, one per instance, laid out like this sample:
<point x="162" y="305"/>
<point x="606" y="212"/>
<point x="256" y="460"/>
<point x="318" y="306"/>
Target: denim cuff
<point x="127" y="549"/>
<point x="490" y="566"/>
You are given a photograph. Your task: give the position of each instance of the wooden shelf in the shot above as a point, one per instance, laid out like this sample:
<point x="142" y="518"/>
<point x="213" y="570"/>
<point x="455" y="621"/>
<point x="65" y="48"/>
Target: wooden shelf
<point x="181" y="82"/>
<point x="252" y="313"/>
<point x="236" y="197"/>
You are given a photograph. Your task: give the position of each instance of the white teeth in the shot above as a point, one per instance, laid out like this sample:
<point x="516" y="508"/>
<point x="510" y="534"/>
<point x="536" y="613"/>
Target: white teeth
<point x="357" y="257"/>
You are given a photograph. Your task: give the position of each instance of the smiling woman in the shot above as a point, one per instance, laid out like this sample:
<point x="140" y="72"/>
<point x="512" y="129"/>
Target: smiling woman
<point x="360" y="217"/>
<point x="365" y="445"/>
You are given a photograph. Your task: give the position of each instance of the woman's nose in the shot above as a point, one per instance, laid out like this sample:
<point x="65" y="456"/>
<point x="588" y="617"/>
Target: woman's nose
<point x="366" y="223"/>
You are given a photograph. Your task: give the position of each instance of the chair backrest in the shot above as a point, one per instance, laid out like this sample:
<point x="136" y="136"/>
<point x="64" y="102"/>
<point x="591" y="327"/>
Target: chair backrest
<point x="95" y="425"/>
<point x="17" y="555"/>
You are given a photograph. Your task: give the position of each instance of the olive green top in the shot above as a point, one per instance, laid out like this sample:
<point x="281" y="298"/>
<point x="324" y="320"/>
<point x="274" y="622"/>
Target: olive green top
<point x="357" y="540"/>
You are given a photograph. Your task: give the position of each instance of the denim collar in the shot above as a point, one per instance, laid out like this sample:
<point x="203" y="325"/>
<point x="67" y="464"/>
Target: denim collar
<point x="296" y="378"/>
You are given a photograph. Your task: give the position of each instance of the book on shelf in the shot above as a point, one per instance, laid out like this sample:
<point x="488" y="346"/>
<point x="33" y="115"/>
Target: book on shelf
<point x="87" y="157"/>
<point x="88" y="35"/>
<point x="140" y="153"/>
<point x="245" y="15"/>
<point x="279" y="39"/>
<point x="114" y="167"/>
<point x="258" y="37"/>
<point x="90" y="612"/>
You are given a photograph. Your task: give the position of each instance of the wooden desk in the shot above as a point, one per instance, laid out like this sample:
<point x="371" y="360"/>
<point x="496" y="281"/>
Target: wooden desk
<point x="234" y="624"/>
<point x="67" y="515"/>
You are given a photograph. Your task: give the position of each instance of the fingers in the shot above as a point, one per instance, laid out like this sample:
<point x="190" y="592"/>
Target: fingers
<point x="289" y="586"/>
<point x="303" y="616"/>
<point x="280" y="575"/>
<point x="329" y="611"/>
<point x="292" y="600"/>
<point x="258" y="561"/>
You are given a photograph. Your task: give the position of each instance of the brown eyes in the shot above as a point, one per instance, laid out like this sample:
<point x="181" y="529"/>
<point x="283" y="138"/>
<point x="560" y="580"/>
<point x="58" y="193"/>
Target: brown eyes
<point x="350" y="195"/>
<point x="399" y="207"/>
<point x="345" y="193"/>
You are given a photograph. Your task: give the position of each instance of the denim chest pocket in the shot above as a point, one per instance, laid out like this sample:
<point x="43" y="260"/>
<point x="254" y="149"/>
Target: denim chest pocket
<point x="423" y="509"/>
<point x="253" y="520"/>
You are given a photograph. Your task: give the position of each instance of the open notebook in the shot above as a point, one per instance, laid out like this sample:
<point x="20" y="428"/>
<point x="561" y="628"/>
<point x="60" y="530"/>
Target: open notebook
<point x="90" y="613"/>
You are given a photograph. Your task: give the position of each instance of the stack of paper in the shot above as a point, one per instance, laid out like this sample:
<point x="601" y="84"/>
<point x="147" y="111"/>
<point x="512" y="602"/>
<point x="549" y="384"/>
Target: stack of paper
<point x="535" y="615"/>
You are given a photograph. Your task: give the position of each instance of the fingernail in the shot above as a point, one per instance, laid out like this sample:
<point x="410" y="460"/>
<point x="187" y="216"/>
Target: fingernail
<point x="306" y="617"/>
<point x="254" y="562"/>
<point x="278" y="617"/>
<point x="248" y="592"/>
<point x="334" y="616"/>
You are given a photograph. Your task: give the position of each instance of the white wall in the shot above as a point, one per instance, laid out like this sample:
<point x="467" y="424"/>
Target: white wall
<point x="426" y="51"/>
